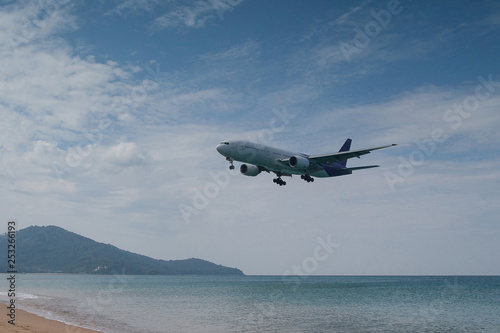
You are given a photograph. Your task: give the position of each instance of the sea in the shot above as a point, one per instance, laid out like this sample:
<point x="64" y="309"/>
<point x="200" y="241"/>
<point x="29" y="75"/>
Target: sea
<point x="150" y="304"/>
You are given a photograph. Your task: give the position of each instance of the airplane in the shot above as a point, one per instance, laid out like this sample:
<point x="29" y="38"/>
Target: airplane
<point x="259" y="157"/>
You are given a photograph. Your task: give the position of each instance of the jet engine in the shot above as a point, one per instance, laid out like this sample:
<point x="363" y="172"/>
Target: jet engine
<point x="299" y="162"/>
<point x="249" y="170"/>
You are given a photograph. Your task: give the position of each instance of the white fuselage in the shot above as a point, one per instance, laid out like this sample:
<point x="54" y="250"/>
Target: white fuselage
<point x="266" y="156"/>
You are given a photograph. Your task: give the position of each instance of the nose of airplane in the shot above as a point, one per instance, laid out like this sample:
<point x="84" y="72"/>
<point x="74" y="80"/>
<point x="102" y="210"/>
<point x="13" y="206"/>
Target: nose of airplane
<point x="223" y="148"/>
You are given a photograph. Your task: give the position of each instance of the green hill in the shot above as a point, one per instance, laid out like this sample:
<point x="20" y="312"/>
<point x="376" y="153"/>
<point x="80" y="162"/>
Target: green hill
<point x="54" y="250"/>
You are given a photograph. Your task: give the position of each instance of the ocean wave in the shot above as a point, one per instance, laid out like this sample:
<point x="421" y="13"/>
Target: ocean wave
<point x="4" y="294"/>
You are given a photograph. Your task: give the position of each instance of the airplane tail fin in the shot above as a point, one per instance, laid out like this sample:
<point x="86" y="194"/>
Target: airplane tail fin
<point x="345" y="147"/>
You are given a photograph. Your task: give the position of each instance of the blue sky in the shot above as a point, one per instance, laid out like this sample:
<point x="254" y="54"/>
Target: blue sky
<point x="111" y="112"/>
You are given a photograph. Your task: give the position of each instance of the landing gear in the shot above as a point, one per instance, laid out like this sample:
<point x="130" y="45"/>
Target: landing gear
<point x="279" y="181"/>
<point x="307" y="178"/>
<point x="231" y="167"/>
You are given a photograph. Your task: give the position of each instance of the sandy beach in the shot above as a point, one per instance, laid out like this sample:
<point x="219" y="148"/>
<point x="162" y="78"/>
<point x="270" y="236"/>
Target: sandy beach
<point x="28" y="322"/>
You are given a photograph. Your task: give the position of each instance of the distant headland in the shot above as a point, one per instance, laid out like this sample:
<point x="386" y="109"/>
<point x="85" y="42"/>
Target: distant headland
<point x="52" y="249"/>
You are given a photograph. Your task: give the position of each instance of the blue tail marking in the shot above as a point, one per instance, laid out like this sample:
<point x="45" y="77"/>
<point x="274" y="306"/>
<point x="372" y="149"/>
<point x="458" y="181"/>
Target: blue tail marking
<point x="345" y="147"/>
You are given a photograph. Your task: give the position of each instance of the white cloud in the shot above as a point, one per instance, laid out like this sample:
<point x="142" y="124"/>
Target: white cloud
<point x="25" y="23"/>
<point x="130" y="7"/>
<point x="246" y="52"/>
<point x="414" y="115"/>
<point x="194" y="14"/>
<point x="57" y="89"/>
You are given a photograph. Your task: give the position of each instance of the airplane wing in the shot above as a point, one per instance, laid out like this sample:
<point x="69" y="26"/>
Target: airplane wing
<point x="344" y="155"/>
<point x="362" y="167"/>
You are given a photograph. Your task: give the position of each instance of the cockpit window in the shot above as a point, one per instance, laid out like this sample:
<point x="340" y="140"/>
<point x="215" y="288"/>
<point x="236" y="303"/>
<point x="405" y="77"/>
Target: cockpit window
<point x="224" y="143"/>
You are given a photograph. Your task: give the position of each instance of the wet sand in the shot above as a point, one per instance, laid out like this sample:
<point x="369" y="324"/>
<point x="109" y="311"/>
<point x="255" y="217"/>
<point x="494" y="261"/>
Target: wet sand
<point x="28" y="322"/>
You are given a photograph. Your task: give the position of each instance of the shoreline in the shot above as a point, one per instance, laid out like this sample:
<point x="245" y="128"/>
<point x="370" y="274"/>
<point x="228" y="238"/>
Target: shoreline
<point x="32" y="323"/>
